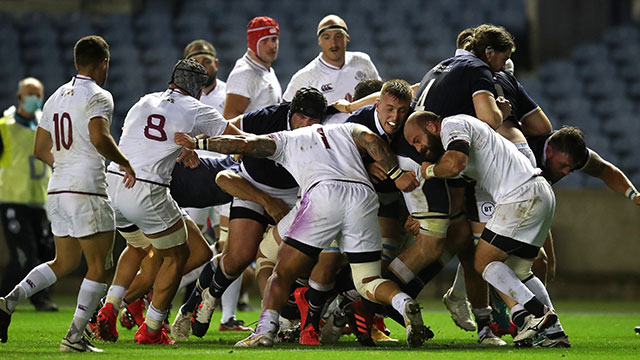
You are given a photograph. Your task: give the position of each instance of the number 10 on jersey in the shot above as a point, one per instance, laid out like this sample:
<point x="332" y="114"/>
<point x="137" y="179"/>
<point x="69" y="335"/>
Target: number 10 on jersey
<point x="63" y="130"/>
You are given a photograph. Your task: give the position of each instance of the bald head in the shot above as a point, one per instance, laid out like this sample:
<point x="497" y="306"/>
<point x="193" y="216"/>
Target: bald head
<point x="422" y="131"/>
<point x="333" y="22"/>
<point x="30" y="86"/>
<point x="30" y="95"/>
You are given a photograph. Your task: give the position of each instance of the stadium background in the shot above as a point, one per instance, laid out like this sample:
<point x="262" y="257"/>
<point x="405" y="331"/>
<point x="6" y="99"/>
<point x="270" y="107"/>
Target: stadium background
<point x="578" y="59"/>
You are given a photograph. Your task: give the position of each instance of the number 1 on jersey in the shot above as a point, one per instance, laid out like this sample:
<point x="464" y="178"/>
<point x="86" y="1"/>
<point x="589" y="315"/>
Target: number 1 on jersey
<point x="324" y="138"/>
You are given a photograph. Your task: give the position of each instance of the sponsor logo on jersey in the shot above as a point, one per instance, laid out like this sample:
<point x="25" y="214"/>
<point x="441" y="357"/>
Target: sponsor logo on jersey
<point x="326" y="87"/>
<point x="487" y="208"/>
<point x="360" y="75"/>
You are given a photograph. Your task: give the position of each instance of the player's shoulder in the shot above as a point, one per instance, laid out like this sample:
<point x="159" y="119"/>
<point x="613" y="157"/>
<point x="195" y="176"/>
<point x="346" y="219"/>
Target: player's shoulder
<point x="307" y="71"/>
<point x="505" y="79"/>
<point x="358" y="57"/>
<point x="242" y="66"/>
<point x="94" y="91"/>
<point x="459" y="120"/>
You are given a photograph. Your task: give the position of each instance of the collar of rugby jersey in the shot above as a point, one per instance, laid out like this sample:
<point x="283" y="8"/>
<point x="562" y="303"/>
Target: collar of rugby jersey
<point x="383" y="134"/>
<point x="82" y="77"/>
<point x="347" y="58"/>
<point x="460" y="52"/>
<point x="255" y="63"/>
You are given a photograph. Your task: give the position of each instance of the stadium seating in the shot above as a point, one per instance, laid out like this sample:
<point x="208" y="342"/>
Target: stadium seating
<point x="595" y="89"/>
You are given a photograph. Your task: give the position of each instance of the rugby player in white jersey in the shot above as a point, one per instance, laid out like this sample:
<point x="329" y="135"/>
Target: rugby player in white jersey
<point x="213" y="94"/>
<point x="252" y="83"/>
<point x="147" y="130"/>
<point x="337" y="197"/>
<point x="74" y="139"/>
<point x="525" y="204"/>
<point x="335" y="71"/>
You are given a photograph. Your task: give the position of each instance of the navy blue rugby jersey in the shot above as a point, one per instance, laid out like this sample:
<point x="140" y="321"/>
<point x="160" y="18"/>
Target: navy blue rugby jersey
<point x="521" y="103"/>
<point x="265" y="121"/>
<point x="197" y="187"/>
<point x="448" y="88"/>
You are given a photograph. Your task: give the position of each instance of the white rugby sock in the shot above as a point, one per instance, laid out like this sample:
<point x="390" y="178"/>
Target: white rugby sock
<point x="398" y="302"/>
<point x="154" y="318"/>
<point x="537" y="287"/>
<point x="229" y="300"/>
<point x="115" y="295"/>
<point x="41" y="277"/>
<point x="459" y="288"/>
<point x="268" y="321"/>
<point x="504" y="279"/>
<point x="88" y="299"/>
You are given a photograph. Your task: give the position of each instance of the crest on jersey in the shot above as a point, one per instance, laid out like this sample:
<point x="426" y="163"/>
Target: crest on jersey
<point x="360" y="75"/>
<point x="326" y="87"/>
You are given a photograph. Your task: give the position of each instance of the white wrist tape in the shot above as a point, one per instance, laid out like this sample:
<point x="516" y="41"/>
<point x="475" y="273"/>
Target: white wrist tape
<point x="429" y="171"/>
<point x="631" y="193"/>
<point x="202" y="144"/>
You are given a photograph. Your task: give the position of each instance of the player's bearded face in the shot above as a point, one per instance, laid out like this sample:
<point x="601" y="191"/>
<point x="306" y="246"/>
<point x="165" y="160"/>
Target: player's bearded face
<point x="434" y="149"/>
<point x="557" y="166"/>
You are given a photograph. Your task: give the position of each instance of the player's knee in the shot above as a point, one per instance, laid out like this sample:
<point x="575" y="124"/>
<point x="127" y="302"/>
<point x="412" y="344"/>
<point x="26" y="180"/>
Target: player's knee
<point x="366" y="278"/>
<point x="520" y="266"/>
<point x="269" y="246"/>
<point x="264" y="264"/>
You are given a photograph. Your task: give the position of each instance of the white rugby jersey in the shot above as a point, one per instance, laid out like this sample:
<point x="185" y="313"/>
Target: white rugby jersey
<point x="494" y="162"/>
<point x="78" y="166"/>
<point x="149" y="128"/>
<point x="316" y="153"/>
<point x="216" y="97"/>
<point x="335" y="83"/>
<point x="255" y="82"/>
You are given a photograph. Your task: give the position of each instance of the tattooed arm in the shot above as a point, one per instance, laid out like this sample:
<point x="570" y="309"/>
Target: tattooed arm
<point x="251" y="145"/>
<point x="380" y="151"/>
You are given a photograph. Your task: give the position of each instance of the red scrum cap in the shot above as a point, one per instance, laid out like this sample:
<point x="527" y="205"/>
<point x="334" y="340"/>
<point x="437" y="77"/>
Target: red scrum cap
<point x="260" y="28"/>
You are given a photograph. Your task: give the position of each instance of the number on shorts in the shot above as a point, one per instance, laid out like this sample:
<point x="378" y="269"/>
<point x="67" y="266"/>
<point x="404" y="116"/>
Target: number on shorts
<point x="159" y="133"/>
<point x="59" y="130"/>
<point x="324" y="138"/>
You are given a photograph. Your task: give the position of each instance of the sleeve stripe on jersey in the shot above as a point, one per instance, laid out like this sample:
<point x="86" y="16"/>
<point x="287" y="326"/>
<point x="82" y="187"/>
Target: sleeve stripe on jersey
<point x="481" y="92"/>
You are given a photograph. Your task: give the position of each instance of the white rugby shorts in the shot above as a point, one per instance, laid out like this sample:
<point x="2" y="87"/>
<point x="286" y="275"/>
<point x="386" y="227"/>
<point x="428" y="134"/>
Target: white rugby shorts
<point x="147" y="205"/>
<point x="341" y="210"/>
<point x="79" y="215"/>
<point x="528" y="218"/>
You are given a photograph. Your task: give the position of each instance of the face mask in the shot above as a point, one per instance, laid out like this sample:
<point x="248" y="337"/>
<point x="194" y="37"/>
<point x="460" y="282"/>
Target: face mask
<point x="31" y="104"/>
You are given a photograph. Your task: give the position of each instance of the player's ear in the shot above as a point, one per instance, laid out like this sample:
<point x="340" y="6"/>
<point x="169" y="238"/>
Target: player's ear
<point x="431" y="127"/>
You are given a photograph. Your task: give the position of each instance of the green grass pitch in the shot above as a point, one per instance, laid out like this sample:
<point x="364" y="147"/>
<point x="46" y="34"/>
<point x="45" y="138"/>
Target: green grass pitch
<point x="602" y="330"/>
